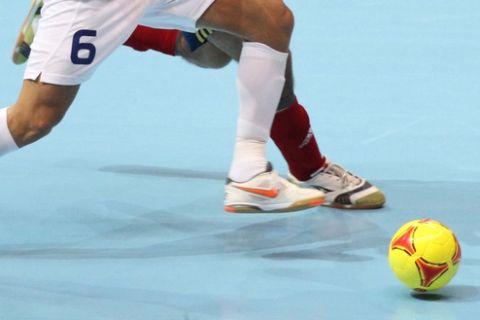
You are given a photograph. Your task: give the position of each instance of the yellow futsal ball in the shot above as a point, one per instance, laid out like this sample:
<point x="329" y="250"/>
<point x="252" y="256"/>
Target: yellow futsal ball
<point x="424" y="255"/>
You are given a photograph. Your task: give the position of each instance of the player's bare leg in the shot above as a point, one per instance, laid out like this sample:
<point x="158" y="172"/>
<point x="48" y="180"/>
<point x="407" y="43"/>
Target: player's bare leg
<point x="38" y="109"/>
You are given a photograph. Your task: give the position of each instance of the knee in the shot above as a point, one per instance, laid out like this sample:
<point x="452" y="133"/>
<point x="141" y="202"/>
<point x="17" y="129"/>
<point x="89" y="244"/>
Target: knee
<point x="28" y="127"/>
<point x="277" y="21"/>
<point x="42" y="124"/>
<point x="282" y="18"/>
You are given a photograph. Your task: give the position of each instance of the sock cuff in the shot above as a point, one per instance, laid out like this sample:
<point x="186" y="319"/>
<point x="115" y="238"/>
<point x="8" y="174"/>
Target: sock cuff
<point x="257" y="49"/>
<point x="289" y="109"/>
<point x="7" y="144"/>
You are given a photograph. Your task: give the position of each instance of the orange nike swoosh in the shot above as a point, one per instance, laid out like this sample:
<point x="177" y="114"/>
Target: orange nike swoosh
<point x="269" y="193"/>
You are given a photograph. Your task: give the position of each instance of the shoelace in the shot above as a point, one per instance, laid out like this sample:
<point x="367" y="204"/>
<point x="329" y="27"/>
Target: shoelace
<point x="346" y="177"/>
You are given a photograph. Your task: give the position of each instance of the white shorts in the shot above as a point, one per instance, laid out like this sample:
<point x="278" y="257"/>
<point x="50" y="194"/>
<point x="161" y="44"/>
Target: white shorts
<point x="75" y="36"/>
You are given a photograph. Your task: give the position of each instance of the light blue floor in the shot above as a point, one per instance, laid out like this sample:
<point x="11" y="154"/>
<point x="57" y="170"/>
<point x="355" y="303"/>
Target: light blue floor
<point x="118" y="213"/>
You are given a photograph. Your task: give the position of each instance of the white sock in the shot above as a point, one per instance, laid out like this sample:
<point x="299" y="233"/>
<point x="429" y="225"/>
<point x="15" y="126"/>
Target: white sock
<point x="7" y="143"/>
<point x="260" y="81"/>
<point x="249" y="159"/>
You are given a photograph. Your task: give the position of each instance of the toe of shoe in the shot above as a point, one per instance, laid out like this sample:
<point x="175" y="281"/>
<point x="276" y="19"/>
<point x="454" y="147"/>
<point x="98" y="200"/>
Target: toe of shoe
<point x="371" y="201"/>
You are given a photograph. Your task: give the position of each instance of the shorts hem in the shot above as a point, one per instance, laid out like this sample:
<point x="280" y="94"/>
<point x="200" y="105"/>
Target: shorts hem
<point x="56" y="79"/>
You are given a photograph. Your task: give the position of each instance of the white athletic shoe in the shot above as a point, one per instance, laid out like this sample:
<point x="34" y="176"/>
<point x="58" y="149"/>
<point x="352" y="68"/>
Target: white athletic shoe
<point x="21" y="51"/>
<point x="342" y="189"/>
<point x="268" y="192"/>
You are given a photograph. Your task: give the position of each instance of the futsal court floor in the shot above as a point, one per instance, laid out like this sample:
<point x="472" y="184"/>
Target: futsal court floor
<point x="118" y="213"/>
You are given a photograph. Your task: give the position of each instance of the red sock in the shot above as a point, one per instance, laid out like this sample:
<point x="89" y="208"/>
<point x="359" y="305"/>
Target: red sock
<point x="292" y="134"/>
<point x="145" y="38"/>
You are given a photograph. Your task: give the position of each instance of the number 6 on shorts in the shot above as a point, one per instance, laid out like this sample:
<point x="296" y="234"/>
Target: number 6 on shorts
<point x="78" y="46"/>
